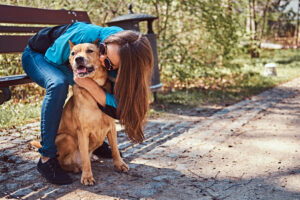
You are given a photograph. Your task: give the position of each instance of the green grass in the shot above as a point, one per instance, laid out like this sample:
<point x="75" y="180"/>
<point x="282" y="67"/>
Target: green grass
<point x="240" y="83"/>
<point x="15" y="114"/>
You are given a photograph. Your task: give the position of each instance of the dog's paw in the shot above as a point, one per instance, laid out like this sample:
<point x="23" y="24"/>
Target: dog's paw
<point x="121" y="166"/>
<point x="89" y="180"/>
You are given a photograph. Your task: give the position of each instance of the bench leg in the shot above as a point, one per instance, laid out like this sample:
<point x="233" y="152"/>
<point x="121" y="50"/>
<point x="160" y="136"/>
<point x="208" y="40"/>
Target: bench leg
<point x="5" y="95"/>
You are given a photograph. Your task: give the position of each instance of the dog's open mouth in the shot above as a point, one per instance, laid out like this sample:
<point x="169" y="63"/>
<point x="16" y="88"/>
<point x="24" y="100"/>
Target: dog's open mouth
<point x="83" y="71"/>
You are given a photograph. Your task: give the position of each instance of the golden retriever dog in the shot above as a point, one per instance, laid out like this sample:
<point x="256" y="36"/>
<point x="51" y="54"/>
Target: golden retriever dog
<point x="84" y="127"/>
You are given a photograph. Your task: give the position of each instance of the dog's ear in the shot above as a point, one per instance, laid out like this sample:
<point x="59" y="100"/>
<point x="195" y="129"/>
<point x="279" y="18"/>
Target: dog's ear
<point x="96" y="42"/>
<point x="71" y="44"/>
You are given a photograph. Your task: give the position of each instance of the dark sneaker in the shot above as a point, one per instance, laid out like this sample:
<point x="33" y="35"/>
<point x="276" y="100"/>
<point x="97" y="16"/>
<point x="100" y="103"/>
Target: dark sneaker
<point x="104" y="151"/>
<point x="52" y="171"/>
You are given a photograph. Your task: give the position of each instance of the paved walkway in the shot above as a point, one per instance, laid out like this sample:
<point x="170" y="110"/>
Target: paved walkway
<point x="250" y="150"/>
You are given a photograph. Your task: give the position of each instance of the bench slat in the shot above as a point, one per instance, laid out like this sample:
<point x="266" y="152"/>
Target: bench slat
<point x="20" y="29"/>
<point x="14" y="39"/>
<point x="13" y="44"/>
<point x="14" y="80"/>
<point x="26" y="15"/>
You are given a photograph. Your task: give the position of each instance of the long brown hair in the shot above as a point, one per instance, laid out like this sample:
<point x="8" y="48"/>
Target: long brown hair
<point x="132" y="83"/>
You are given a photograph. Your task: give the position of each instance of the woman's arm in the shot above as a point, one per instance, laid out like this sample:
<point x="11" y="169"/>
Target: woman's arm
<point x="92" y="87"/>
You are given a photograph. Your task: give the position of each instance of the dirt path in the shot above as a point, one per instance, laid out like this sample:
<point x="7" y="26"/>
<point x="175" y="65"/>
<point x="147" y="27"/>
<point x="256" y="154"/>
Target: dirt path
<point x="249" y="150"/>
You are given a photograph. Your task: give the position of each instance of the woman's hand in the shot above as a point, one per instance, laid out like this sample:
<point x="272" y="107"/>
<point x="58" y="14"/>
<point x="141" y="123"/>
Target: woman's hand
<point x="92" y="87"/>
<point x="85" y="83"/>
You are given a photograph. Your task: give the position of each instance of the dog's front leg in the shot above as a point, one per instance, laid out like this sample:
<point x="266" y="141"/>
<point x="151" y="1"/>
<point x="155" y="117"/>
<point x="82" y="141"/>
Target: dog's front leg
<point x="119" y="164"/>
<point x="87" y="175"/>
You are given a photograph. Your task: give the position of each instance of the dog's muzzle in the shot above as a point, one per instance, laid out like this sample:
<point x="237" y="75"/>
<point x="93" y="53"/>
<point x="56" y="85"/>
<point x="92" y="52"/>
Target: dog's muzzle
<point x="81" y="69"/>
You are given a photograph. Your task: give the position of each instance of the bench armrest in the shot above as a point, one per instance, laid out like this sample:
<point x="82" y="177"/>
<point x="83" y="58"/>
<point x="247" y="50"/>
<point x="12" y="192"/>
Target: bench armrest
<point x="14" y="80"/>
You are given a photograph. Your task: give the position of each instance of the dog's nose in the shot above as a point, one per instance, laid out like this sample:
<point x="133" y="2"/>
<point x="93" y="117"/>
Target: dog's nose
<point x="79" y="60"/>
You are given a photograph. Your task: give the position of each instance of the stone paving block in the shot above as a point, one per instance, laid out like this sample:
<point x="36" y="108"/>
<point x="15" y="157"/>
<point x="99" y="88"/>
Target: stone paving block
<point x="165" y="178"/>
<point x="8" y="152"/>
<point x="26" y="166"/>
<point x="37" y="186"/>
<point x="30" y="137"/>
<point x="31" y="155"/>
<point x="3" y="177"/>
<point x="48" y="193"/>
<point x="143" y="191"/>
<point x="2" y="133"/>
<point x="15" y="134"/>
<point x="4" y="140"/>
<point x="20" y="193"/>
<point x="25" y="177"/>
<point x="13" y="172"/>
<point x="15" y="159"/>
<point x="19" y="141"/>
<point x="7" y="145"/>
<point x="12" y="186"/>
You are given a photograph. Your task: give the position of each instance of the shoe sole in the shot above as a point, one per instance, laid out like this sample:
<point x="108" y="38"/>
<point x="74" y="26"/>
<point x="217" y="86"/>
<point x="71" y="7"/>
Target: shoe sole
<point x="53" y="182"/>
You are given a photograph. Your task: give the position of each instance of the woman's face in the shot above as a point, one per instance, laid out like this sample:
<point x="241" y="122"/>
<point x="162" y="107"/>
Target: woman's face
<point x="112" y="54"/>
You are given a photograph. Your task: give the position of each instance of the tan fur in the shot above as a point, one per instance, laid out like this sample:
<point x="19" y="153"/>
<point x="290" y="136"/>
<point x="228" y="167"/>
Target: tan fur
<point x="83" y="127"/>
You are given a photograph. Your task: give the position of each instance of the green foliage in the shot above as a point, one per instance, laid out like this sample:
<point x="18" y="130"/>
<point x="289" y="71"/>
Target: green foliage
<point x="221" y="23"/>
<point x="193" y="37"/>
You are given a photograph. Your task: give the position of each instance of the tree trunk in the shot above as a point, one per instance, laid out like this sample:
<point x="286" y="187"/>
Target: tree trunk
<point x="264" y="21"/>
<point x="252" y="28"/>
<point x="297" y="26"/>
<point x="252" y="19"/>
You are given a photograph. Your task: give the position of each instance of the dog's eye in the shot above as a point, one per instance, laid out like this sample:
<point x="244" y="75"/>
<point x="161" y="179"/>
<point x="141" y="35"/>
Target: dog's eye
<point x="73" y="53"/>
<point x="89" y="51"/>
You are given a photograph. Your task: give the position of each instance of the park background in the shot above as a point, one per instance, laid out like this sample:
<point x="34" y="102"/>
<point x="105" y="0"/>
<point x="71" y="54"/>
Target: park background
<point x="211" y="53"/>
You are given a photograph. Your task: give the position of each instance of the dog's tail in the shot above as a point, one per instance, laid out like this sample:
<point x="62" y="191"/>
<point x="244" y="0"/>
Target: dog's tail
<point x="36" y="144"/>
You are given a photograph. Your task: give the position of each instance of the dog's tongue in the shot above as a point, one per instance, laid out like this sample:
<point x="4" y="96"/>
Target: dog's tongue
<point x="81" y="70"/>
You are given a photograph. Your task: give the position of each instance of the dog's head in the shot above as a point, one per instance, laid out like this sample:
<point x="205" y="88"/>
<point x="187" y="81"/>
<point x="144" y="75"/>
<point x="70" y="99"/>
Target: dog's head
<point x="85" y="62"/>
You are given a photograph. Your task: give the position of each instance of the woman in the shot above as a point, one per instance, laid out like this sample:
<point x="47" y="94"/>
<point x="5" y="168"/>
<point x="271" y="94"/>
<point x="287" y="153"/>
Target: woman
<point x="126" y="54"/>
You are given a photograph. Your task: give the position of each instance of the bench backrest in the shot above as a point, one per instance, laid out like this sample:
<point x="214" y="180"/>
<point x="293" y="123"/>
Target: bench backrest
<point x="18" y="24"/>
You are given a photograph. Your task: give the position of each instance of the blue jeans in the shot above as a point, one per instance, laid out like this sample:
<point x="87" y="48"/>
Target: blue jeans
<point x="56" y="82"/>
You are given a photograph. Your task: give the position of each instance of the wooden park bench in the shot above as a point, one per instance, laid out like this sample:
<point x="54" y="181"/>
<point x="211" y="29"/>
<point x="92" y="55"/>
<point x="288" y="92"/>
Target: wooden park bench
<point x="20" y="23"/>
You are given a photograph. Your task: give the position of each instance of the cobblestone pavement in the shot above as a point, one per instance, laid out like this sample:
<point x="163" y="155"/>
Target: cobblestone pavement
<point x="249" y="150"/>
